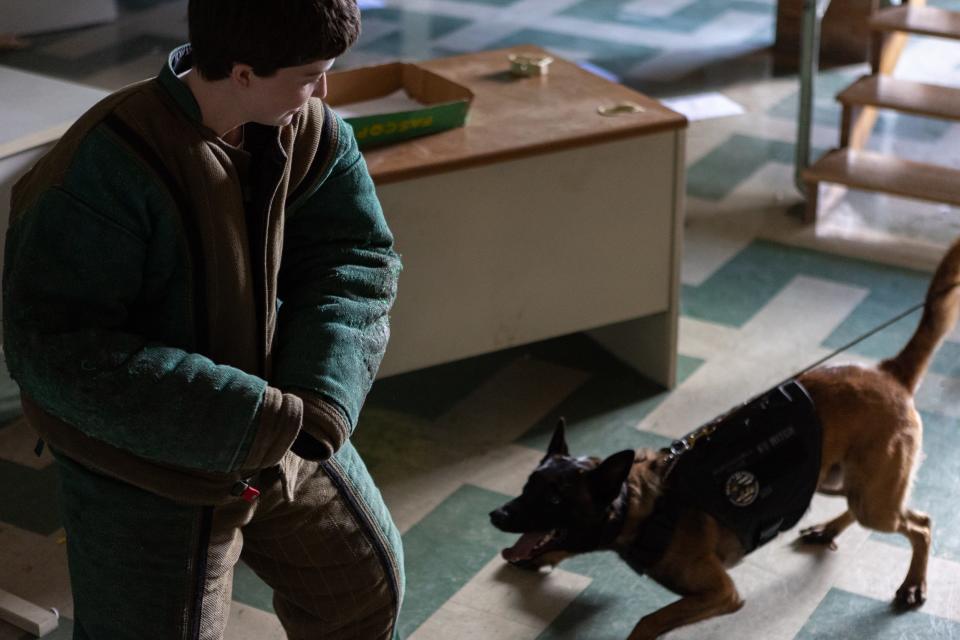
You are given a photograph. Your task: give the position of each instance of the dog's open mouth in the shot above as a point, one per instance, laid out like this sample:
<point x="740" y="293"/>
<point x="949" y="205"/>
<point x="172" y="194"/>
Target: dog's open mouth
<point x="532" y="544"/>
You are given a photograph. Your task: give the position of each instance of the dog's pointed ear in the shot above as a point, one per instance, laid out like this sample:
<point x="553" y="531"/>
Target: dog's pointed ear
<point x="607" y="479"/>
<point x="558" y="444"/>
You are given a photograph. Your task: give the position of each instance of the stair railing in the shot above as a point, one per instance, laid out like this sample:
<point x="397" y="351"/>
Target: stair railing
<point x="813" y="12"/>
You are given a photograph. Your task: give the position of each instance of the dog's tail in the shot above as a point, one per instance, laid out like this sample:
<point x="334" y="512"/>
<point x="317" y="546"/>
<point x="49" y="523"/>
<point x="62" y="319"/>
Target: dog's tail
<point x="939" y="317"/>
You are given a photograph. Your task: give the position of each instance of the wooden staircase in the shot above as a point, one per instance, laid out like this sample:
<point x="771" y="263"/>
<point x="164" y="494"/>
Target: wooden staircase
<point x="850" y="165"/>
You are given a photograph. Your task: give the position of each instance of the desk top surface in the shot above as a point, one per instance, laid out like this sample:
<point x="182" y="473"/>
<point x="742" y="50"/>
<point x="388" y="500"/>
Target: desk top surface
<point x="516" y="117"/>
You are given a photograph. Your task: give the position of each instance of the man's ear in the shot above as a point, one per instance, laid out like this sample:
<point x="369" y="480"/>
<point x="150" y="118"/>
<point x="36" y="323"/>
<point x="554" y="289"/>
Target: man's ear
<point x="607" y="479"/>
<point x="241" y="74"/>
<point x="558" y="444"/>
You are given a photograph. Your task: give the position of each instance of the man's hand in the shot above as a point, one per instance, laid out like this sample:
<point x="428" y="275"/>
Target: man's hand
<point x="325" y="428"/>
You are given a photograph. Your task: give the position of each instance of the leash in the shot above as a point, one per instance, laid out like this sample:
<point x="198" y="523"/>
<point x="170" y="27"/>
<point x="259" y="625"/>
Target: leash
<point x="897" y="318"/>
<point x="680" y="446"/>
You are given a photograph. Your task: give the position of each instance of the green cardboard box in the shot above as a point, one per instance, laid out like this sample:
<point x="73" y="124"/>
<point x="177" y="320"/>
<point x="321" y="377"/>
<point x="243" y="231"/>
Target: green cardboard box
<point x="444" y="103"/>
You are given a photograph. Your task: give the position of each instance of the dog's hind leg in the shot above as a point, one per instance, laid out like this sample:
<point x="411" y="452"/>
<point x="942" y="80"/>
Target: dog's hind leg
<point x="877" y="499"/>
<point x="916" y="527"/>
<point x="827" y="532"/>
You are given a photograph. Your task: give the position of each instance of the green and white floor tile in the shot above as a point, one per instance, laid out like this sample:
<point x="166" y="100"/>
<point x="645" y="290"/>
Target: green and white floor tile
<point x="762" y="297"/>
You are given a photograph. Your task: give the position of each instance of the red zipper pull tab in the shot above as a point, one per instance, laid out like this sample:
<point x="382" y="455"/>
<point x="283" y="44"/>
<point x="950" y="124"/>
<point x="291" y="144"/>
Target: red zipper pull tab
<point x="245" y="491"/>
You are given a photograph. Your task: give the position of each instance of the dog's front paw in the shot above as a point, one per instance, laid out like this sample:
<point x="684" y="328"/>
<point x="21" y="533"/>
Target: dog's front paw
<point x="819" y="535"/>
<point x="910" y="596"/>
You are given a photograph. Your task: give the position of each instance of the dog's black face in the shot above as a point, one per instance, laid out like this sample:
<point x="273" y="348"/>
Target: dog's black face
<point x="564" y="503"/>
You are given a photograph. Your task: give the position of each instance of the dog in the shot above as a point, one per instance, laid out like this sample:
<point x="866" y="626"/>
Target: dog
<point x="869" y="435"/>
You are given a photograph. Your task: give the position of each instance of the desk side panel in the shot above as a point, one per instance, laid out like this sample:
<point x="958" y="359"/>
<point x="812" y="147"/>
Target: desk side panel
<point x="533" y="248"/>
<point x="649" y="344"/>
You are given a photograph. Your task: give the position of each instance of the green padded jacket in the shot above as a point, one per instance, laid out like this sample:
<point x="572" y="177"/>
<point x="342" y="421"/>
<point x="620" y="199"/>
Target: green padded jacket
<point x="175" y="326"/>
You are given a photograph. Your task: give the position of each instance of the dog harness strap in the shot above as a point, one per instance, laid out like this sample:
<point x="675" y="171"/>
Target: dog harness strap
<point x="617" y="517"/>
<point x="754" y="469"/>
<point x="655" y="534"/>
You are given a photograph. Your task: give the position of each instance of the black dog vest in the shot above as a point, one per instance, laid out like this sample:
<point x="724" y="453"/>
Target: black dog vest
<point x="754" y="469"/>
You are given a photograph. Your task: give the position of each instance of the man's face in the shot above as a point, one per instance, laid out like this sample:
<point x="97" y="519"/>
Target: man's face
<point x="274" y="100"/>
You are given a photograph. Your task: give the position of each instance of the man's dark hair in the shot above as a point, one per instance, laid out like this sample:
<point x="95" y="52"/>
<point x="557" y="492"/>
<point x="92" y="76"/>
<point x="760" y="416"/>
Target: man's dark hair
<point x="269" y="34"/>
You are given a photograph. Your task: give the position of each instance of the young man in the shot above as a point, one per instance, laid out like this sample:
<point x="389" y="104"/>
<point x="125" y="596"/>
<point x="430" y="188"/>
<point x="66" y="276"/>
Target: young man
<point x="196" y="288"/>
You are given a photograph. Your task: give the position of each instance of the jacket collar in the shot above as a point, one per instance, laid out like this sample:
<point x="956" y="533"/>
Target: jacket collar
<point x="179" y="61"/>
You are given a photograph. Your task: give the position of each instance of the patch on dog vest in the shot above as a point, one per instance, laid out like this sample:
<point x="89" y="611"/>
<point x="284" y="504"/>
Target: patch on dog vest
<point x="754" y="469"/>
<point x="742" y="488"/>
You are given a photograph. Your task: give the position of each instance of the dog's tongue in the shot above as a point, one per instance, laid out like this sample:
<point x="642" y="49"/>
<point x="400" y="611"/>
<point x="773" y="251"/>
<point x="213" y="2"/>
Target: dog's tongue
<point x="523" y="548"/>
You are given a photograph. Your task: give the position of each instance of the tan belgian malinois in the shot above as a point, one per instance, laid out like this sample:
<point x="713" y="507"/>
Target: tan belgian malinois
<point x="868" y="435"/>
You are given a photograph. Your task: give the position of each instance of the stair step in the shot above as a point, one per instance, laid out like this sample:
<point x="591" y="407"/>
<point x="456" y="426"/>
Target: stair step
<point x="887" y="92"/>
<point x="870" y="171"/>
<point x="927" y="21"/>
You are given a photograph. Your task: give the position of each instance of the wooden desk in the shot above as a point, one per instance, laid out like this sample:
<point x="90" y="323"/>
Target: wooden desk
<point x="537" y="219"/>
